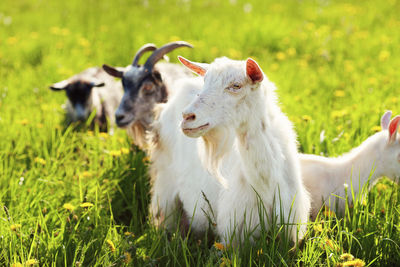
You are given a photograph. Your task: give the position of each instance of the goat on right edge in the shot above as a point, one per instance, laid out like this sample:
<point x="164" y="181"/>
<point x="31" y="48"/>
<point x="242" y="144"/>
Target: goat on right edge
<point x="377" y="156"/>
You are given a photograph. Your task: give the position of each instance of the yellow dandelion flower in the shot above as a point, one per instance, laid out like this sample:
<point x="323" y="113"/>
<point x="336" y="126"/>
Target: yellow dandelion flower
<point x="339" y="113"/>
<point x="340" y="93"/>
<point x="40" y="125"/>
<point x="219" y="246"/>
<point x="306" y="118"/>
<point x="274" y="66"/>
<point x="12" y="40"/>
<point x="394" y="99"/>
<point x="355" y="263"/>
<point x="110" y="245"/>
<point x="381" y="187"/>
<point x="127" y="257"/>
<point x="40" y="161"/>
<point x="86" y="174"/>
<point x="291" y="51"/>
<point x="259" y="252"/>
<point x="83" y="42"/>
<point x="115" y="153"/>
<point x="23" y="122"/>
<point x="129" y="234"/>
<point x="31" y="262"/>
<point x="376" y="128"/>
<point x="364" y="202"/>
<point x="384" y="55"/>
<point x="15" y="227"/>
<point x="225" y="262"/>
<point x="280" y="56"/>
<point x="68" y="207"/>
<point x="328" y="212"/>
<point x="55" y="30"/>
<point x="17" y="264"/>
<point x="372" y="81"/>
<point x="90" y="133"/>
<point x="125" y="150"/>
<point x="346" y="257"/>
<point x="86" y="205"/>
<point x="318" y="228"/>
<point x="104" y="135"/>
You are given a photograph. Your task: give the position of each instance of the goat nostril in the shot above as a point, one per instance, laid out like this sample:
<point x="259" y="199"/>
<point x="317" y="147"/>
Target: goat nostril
<point x="119" y="117"/>
<point x="189" y="117"/>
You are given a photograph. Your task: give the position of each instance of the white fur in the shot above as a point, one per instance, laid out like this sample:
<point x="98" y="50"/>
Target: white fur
<point x="250" y="143"/>
<point x="325" y="177"/>
<point x="176" y="171"/>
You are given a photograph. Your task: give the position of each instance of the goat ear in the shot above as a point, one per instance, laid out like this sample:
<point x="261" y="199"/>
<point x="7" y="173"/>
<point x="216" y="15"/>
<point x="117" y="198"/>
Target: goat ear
<point x="393" y="127"/>
<point x="60" y="85"/>
<point x="385" y="120"/>
<point x="198" y="68"/>
<point x="112" y="71"/>
<point x="253" y="71"/>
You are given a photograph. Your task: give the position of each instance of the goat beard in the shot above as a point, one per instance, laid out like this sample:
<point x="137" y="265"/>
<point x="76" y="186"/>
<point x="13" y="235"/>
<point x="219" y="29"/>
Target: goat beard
<point x="216" y="143"/>
<point x="138" y="134"/>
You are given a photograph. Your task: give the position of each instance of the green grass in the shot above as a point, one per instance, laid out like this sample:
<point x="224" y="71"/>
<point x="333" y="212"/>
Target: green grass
<point x="336" y="65"/>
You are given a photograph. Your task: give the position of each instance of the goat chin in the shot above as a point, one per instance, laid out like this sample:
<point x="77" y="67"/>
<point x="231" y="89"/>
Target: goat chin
<point x="137" y="132"/>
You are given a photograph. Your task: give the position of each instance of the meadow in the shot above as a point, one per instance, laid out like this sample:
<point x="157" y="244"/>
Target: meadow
<point x="78" y="197"/>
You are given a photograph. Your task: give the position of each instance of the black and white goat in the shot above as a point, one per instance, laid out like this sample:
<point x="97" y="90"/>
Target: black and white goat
<point x="144" y="87"/>
<point x="90" y="90"/>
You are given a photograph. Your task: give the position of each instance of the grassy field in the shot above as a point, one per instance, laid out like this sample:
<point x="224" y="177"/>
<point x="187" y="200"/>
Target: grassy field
<point x="79" y="198"/>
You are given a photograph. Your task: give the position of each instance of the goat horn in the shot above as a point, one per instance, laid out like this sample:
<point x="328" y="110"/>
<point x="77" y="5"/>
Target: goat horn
<point x="160" y="52"/>
<point x="141" y="51"/>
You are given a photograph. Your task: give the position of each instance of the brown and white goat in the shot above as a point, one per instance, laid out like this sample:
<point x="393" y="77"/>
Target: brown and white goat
<point x="89" y="90"/>
<point x="145" y="86"/>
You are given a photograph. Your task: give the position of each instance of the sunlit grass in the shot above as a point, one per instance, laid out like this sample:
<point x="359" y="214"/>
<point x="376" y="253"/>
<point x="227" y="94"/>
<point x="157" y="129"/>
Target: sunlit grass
<point x="77" y="197"/>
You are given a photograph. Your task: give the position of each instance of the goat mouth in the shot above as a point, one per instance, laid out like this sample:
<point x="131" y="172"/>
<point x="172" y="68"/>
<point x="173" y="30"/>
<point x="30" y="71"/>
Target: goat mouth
<point x="191" y="131"/>
<point x="123" y="124"/>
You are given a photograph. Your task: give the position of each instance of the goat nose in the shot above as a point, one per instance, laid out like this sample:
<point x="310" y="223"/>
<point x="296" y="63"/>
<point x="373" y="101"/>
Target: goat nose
<point x="119" y="117"/>
<point x="189" y="116"/>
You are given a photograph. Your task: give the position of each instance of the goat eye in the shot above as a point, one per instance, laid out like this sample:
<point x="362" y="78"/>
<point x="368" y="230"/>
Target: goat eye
<point x="147" y="88"/>
<point x="235" y="87"/>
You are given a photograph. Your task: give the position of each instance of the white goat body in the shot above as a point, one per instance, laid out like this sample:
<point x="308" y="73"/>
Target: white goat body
<point x="377" y="156"/>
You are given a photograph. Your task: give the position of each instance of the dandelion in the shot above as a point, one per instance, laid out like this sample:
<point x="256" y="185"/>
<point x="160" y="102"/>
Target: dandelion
<point x="86" y="174"/>
<point x="355" y="263"/>
<point x="40" y="125"/>
<point x="15" y="227"/>
<point x="225" y="262"/>
<point x="127" y="257"/>
<point x="23" y="122"/>
<point x="83" y="42"/>
<point x="376" y="128"/>
<point x="12" y="40"/>
<point x="384" y="55"/>
<point x="381" y="187"/>
<point x="68" y="207"/>
<point x="86" y="205"/>
<point x="104" y="135"/>
<point x="291" y="51"/>
<point x="340" y="93"/>
<point x="346" y="257"/>
<point x="129" y="234"/>
<point x="328" y="212"/>
<point x="394" y="99"/>
<point x="17" y="264"/>
<point x="306" y="118"/>
<point x="115" y="153"/>
<point x="318" y="228"/>
<point x="259" y="252"/>
<point x="111" y="245"/>
<point x="280" y="56"/>
<point x="40" y="161"/>
<point x="125" y="150"/>
<point x="339" y="113"/>
<point x="31" y="262"/>
<point x="219" y="246"/>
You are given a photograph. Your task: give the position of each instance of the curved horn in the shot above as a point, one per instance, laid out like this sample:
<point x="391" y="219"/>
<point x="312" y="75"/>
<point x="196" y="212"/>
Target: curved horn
<point x="160" y="52"/>
<point x="141" y="51"/>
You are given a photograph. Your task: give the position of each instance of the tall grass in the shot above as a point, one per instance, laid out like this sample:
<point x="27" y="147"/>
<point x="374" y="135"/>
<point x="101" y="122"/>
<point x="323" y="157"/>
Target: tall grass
<point x="79" y="198"/>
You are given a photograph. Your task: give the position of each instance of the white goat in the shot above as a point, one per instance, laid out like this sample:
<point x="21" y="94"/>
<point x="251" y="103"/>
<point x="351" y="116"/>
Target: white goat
<point x="91" y="89"/>
<point x="178" y="178"/>
<point x="377" y="156"/>
<point x="251" y="145"/>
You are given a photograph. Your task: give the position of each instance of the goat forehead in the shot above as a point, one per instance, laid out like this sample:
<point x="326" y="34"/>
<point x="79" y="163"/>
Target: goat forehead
<point x="134" y="74"/>
<point x="224" y="74"/>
